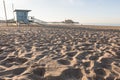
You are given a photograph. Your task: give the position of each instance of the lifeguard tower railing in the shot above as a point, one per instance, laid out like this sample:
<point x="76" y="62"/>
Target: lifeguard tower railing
<point x="35" y="20"/>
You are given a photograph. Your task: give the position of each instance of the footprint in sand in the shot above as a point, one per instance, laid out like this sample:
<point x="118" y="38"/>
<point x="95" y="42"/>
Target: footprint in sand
<point x="13" y="72"/>
<point x="71" y="54"/>
<point x="10" y="61"/>
<point x="63" y="62"/>
<point x="67" y="74"/>
<point x="36" y="73"/>
<point x="39" y="71"/>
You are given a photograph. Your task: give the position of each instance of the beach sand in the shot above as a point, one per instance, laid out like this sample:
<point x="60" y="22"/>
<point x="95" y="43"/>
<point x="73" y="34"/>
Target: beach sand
<point x="59" y="53"/>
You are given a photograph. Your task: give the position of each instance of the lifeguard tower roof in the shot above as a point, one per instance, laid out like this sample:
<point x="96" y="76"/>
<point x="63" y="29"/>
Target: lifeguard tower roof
<point x="16" y="10"/>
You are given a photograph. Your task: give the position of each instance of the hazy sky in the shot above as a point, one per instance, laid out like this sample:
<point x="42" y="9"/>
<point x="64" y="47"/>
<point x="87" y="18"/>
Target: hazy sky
<point x="83" y="11"/>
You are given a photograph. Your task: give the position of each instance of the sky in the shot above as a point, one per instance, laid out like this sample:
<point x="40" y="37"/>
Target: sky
<point x="83" y="11"/>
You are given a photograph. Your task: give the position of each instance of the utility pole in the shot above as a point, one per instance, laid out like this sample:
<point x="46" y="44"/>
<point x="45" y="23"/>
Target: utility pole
<point x="13" y="11"/>
<point x="5" y="12"/>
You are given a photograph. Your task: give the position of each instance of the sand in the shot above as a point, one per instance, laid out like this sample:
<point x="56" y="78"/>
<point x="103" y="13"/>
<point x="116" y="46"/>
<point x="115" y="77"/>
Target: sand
<point x="59" y="53"/>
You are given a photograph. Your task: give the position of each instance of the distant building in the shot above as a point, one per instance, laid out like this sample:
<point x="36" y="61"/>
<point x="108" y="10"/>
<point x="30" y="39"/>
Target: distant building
<point x="22" y="16"/>
<point x="69" y="21"/>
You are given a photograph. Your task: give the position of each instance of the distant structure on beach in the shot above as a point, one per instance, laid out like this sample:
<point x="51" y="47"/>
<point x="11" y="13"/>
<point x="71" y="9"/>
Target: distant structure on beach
<point x="22" y="16"/>
<point x="69" y="21"/>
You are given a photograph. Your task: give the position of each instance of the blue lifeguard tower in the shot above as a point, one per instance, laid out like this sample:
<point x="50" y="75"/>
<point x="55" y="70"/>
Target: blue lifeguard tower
<point x="22" y="16"/>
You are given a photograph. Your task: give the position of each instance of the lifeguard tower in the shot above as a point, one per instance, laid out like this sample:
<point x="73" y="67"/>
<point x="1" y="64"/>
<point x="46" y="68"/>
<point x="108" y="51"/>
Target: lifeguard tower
<point x="22" y="16"/>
